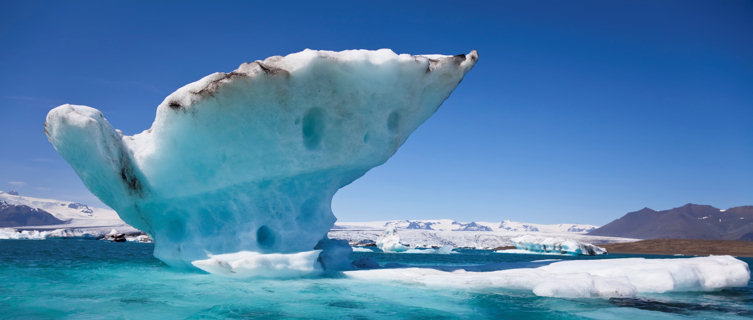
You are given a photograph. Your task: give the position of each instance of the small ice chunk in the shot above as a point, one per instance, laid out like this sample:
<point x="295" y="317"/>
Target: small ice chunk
<point x="249" y="264"/>
<point x="389" y="241"/>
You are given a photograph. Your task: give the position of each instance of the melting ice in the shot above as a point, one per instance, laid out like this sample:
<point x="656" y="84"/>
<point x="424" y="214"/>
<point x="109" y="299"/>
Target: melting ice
<point x="250" y="160"/>
<point x="549" y="245"/>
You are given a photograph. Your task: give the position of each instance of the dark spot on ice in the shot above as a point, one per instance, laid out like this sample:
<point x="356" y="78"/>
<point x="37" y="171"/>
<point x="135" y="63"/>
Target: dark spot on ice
<point x="459" y="58"/>
<point x="127" y="175"/>
<point x="313" y="128"/>
<point x="131" y="182"/>
<point x="265" y="237"/>
<point x="432" y="65"/>
<point x="212" y="87"/>
<point x="298" y="121"/>
<point x="393" y="122"/>
<point x="269" y="69"/>
<point x="174" y="105"/>
<point x="366" y="138"/>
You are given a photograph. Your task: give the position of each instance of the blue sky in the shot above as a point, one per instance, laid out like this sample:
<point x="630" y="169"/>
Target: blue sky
<point x="577" y="111"/>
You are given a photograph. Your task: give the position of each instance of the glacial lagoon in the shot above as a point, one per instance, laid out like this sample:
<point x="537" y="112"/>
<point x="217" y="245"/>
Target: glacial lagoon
<point x="89" y="279"/>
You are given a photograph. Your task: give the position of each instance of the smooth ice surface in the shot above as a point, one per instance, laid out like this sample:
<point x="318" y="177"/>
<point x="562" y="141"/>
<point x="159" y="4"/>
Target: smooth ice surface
<point x="249" y="160"/>
<point x="582" y="279"/>
<point x="556" y="245"/>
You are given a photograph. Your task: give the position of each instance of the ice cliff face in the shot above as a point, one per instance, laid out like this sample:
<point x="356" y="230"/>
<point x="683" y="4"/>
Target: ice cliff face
<point x="556" y="245"/>
<point x="249" y="160"/>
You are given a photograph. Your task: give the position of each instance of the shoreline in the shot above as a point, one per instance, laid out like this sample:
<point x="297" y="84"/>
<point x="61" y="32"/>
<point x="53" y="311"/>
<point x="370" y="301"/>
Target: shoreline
<point x="687" y="247"/>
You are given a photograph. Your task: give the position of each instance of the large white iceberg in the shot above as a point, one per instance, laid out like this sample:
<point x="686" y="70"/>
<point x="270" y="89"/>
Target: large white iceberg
<point x="585" y="278"/>
<point x="249" y="160"/>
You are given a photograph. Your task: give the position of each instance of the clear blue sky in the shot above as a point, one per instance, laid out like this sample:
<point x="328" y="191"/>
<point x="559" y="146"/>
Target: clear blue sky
<point x="578" y="111"/>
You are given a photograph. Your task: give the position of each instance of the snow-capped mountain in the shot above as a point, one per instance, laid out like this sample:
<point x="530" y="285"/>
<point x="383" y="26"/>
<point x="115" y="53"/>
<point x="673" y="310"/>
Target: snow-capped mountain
<point x="65" y="215"/>
<point x="452" y="225"/>
<point x="548" y="228"/>
<point x="12" y="215"/>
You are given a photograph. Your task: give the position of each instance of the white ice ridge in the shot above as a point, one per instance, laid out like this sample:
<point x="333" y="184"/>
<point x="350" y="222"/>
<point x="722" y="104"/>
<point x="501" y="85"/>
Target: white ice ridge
<point x="584" y="278"/>
<point x="554" y="245"/>
<point x="250" y="160"/>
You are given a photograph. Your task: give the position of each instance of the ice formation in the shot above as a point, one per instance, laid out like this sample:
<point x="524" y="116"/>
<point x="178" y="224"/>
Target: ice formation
<point x="390" y="241"/>
<point x="584" y="278"/>
<point x="247" y="264"/>
<point x="535" y="244"/>
<point x="249" y="160"/>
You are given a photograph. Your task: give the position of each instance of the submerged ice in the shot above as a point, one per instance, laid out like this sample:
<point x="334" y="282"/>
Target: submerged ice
<point x="250" y="160"/>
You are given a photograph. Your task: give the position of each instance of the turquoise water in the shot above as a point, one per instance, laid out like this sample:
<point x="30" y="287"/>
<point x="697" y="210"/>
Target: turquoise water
<point x="89" y="279"/>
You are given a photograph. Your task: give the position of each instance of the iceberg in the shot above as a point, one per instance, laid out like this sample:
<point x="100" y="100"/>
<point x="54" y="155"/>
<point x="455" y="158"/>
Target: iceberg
<point x="389" y="241"/>
<point x="250" y="160"/>
<point x="247" y="264"/>
<point x="533" y="244"/>
<point x="605" y="278"/>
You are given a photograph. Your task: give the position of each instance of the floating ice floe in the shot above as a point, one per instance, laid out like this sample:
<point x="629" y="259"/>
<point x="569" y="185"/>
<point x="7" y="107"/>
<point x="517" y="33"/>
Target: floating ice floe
<point x="389" y="242"/>
<point x="250" y="160"/>
<point x="584" y="278"/>
<point x="247" y="264"/>
<point x="528" y="244"/>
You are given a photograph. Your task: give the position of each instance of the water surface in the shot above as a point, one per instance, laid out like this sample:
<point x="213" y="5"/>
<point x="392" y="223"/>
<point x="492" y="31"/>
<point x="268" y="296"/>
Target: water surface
<point x="89" y="279"/>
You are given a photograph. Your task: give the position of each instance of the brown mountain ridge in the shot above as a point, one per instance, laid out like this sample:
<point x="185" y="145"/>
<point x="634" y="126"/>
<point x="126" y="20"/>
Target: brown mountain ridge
<point x="691" y="221"/>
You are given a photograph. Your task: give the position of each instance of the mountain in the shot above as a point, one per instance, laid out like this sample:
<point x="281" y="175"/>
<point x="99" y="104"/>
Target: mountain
<point x="549" y="228"/>
<point x="452" y="225"/>
<point x="23" y="212"/>
<point x="12" y="215"/>
<point x="691" y="221"/>
<point x="478" y="234"/>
